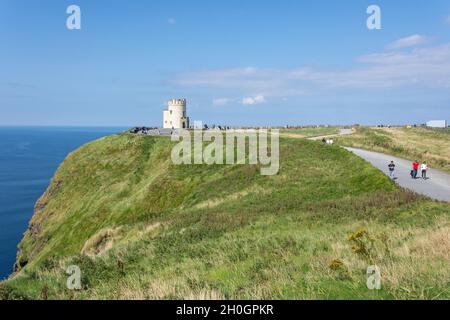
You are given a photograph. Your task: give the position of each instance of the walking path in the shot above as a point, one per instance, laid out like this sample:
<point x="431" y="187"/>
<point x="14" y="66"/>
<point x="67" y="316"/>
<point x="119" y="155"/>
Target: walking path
<point x="436" y="187"/>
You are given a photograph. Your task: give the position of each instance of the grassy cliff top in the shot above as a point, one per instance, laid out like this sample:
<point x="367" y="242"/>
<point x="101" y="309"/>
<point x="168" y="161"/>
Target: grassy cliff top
<point x="140" y="227"/>
<point x="423" y="144"/>
<point x="310" y="132"/>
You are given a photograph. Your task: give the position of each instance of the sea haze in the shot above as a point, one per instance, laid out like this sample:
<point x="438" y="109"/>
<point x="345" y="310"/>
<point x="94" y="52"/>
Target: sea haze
<point x="29" y="156"/>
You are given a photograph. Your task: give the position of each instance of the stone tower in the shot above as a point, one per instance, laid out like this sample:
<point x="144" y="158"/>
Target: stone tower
<point x="175" y="116"/>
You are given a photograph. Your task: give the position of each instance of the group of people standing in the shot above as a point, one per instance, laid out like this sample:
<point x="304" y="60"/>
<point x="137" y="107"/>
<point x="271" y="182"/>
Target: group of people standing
<point x="328" y="141"/>
<point x="416" y="167"/>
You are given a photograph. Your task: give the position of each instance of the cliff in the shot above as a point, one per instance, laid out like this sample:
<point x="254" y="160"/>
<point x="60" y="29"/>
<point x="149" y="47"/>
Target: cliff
<point x="139" y="227"/>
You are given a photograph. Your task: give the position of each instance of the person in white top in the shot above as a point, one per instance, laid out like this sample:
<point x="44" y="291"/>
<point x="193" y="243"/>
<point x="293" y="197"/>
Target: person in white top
<point x="424" y="169"/>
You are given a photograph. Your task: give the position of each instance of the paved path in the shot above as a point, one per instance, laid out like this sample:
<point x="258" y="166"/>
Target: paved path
<point x="436" y="187"/>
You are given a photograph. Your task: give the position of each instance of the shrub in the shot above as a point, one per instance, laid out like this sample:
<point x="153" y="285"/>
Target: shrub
<point x="363" y="244"/>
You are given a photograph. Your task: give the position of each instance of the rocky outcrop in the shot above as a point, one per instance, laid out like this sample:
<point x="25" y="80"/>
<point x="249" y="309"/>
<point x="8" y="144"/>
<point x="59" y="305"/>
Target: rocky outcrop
<point x="34" y="231"/>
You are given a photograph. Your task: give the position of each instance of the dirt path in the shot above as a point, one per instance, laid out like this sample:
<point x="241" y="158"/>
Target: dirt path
<point x="342" y="132"/>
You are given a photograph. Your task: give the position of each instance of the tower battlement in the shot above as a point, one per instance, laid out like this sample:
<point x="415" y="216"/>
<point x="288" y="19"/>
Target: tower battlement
<point x="177" y="102"/>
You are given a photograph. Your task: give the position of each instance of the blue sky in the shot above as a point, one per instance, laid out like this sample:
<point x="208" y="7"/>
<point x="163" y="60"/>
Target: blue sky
<point x="243" y="62"/>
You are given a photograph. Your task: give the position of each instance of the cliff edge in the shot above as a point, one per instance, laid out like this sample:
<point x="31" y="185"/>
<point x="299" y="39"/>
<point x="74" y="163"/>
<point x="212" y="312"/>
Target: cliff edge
<point x="139" y="227"/>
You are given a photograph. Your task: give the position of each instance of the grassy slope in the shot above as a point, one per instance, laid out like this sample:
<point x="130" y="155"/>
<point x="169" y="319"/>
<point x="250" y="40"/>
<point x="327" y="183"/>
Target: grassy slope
<point x="310" y="132"/>
<point x="431" y="145"/>
<point x="227" y="231"/>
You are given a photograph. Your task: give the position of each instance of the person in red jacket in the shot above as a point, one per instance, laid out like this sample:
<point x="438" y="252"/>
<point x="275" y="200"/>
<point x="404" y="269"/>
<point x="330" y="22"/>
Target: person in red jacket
<point x="415" y="169"/>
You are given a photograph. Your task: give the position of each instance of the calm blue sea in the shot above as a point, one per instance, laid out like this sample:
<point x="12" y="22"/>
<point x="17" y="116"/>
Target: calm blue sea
<point x="29" y="156"/>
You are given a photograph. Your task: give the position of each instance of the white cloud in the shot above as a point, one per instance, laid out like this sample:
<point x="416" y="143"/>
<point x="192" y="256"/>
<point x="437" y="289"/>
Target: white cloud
<point x="448" y="19"/>
<point x="249" y="101"/>
<point x="221" y="77"/>
<point x="418" y="68"/>
<point x="247" y="80"/>
<point x="411" y="41"/>
<point x="220" y="102"/>
<point x="171" y="21"/>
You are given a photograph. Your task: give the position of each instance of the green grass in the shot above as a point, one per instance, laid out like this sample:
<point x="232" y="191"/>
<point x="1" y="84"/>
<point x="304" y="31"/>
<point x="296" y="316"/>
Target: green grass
<point x="422" y="144"/>
<point x="310" y="132"/>
<point x="207" y="232"/>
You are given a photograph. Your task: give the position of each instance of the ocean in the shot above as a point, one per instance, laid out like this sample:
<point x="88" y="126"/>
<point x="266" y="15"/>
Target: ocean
<point x="29" y="156"/>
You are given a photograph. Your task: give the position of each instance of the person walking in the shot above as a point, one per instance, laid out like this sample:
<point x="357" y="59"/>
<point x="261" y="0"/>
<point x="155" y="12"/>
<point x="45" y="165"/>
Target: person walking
<point x="415" y="170"/>
<point x="424" y="169"/>
<point x="391" y="167"/>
